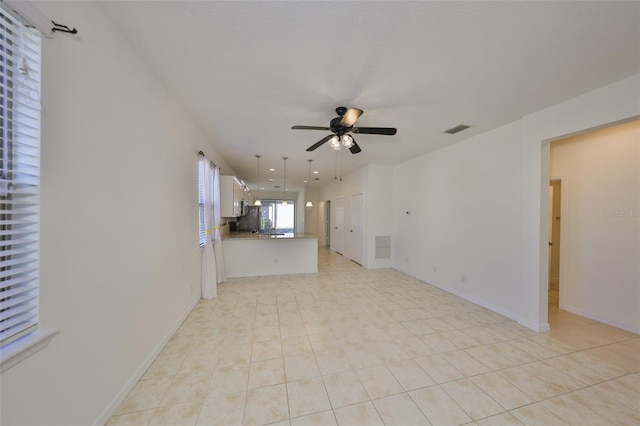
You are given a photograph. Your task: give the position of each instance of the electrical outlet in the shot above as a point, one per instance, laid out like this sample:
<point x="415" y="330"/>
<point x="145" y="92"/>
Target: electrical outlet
<point x="463" y="278"/>
<point x="275" y="260"/>
<point x="435" y="269"/>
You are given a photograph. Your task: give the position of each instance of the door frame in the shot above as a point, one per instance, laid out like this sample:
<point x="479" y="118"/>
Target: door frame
<point x="352" y="250"/>
<point x="335" y="226"/>
<point x="559" y="179"/>
<point x="327" y="223"/>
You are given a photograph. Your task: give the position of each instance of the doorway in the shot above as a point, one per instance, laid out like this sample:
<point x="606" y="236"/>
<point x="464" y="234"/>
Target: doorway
<point x="555" y="199"/>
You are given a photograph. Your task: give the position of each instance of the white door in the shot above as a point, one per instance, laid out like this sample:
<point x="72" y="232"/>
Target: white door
<point x="337" y="239"/>
<point x="356" y="230"/>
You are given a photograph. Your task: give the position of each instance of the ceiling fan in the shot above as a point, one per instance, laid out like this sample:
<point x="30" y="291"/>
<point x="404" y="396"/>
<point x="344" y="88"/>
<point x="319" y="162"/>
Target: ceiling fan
<point x="341" y="126"/>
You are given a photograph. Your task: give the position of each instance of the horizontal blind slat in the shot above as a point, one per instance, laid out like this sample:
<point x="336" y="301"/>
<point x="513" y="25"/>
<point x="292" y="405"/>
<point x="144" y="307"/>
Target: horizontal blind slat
<point x="18" y="285"/>
<point x="18" y="313"/>
<point x="18" y="330"/>
<point x="16" y="271"/>
<point x="17" y="299"/>
<point x="15" y="261"/>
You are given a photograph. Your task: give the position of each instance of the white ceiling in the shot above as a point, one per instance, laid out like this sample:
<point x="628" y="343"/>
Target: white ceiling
<point x="248" y="71"/>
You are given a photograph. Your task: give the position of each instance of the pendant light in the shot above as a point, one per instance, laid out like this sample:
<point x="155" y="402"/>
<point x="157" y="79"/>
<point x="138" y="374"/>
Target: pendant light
<point x="258" y="202"/>
<point x="309" y="203"/>
<point x="284" y="185"/>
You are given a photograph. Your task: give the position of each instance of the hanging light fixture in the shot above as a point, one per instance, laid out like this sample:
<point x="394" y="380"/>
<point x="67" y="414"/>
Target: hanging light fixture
<point x="347" y="141"/>
<point x="258" y="202"/>
<point x="309" y="203"/>
<point x="334" y="142"/>
<point x="284" y="185"/>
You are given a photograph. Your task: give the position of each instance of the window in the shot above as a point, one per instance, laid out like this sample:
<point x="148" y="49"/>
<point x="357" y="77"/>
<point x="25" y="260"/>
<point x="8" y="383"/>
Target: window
<point x="205" y="171"/>
<point x="274" y="215"/>
<point x="19" y="179"/>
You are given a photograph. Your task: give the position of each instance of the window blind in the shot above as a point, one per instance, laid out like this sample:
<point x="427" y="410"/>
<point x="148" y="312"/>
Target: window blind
<point x="205" y="171"/>
<point x="19" y="177"/>
<point x="203" y="226"/>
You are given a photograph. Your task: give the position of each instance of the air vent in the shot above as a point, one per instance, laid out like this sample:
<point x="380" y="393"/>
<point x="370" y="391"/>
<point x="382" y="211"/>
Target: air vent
<point x="276" y="186"/>
<point x="458" y="128"/>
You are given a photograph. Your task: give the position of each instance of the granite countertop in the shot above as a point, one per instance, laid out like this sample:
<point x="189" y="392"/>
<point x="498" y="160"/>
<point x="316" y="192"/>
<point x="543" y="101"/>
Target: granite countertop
<point x="256" y="236"/>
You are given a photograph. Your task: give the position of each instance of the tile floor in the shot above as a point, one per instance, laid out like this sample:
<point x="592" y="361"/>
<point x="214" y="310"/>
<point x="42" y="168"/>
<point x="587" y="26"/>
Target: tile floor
<point x="349" y="346"/>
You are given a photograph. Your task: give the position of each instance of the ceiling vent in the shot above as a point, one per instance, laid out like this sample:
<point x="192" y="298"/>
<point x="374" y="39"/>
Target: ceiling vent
<point x="456" y="129"/>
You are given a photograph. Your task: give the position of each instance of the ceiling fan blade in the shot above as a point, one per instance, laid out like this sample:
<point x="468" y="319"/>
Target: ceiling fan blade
<point x="354" y="148"/>
<point x="309" y="128"/>
<point x="375" y="130"/>
<point x="351" y="116"/>
<point x="319" y="143"/>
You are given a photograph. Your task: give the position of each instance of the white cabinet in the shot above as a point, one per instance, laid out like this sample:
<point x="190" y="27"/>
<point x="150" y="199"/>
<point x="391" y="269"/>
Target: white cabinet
<point x="231" y="196"/>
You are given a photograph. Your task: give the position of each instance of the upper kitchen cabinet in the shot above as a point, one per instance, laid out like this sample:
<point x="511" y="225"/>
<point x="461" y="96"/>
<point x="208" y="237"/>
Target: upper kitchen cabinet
<point x="231" y="196"/>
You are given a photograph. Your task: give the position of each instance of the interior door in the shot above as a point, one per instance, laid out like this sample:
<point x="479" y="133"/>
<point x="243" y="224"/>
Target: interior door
<point x="337" y="240"/>
<point x="356" y="229"/>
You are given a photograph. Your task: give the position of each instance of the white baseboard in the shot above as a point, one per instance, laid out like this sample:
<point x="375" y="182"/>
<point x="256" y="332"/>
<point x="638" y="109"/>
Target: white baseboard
<point x="539" y="328"/>
<point x="598" y="318"/>
<point x="124" y="391"/>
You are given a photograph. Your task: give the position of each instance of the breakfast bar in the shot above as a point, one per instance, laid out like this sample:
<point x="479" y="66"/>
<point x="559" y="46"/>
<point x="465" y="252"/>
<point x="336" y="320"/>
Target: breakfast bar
<point x="249" y="254"/>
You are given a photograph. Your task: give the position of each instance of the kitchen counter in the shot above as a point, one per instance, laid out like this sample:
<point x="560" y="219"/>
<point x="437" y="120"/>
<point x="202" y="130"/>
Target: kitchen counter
<point x="251" y="255"/>
<point x="256" y="236"/>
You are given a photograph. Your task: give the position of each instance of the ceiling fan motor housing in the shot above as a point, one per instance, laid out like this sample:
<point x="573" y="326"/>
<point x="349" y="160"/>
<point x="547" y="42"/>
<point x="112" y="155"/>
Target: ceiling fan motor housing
<point x="338" y="127"/>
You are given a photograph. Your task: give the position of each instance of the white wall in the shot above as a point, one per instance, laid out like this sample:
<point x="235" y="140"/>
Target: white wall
<point x="311" y="214"/>
<point x="461" y="233"/>
<point x="322" y="209"/>
<point x="120" y="264"/>
<point x="378" y="206"/>
<point x="480" y="208"/>
<point x="600" y="244"/>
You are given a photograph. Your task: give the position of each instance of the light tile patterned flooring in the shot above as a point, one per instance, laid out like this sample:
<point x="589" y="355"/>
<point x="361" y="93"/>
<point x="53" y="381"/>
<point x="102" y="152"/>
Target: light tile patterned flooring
<point x="350" y="346"/>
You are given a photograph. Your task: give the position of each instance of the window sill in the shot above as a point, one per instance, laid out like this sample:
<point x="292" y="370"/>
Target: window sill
<point x="23" y="348"/>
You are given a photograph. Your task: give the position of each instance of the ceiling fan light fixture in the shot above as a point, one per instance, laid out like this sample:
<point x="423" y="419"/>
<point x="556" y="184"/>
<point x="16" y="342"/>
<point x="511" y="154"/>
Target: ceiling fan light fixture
<point x="309" y="203"/>
<point x="334" y="142"/>
<point x="284" y="190"/>
<point x="347" y="141"/>
<point x="257" y="202"/>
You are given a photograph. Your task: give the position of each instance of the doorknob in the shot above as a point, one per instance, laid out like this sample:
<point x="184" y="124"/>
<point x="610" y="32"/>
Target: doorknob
<point x="550" y="243"/>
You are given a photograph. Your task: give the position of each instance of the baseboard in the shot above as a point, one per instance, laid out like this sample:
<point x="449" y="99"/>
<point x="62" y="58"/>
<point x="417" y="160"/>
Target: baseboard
<point x="539" y="328"/>
<point x="598" y="318"/>
<point x="480" y="302"/>
<point x="505" y="313"/>
<point x="122" y="394"/>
